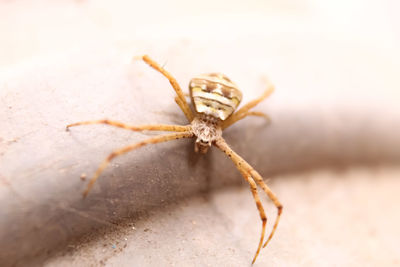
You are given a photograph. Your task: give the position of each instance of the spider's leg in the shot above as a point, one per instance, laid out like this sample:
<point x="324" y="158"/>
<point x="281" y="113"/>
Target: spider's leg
<point x="182" y="103"/>
<point x="243" y="110"/>
<point x="244" y="167"/>
<point x="118" y="152"/>
<point x="150" y="127"/>
<point x="253" y="187"/>
<point x="188" y="113"/>
<point x="270" y="89"/>
<point x="259" y="180"/>
<point x="244" y="115"/>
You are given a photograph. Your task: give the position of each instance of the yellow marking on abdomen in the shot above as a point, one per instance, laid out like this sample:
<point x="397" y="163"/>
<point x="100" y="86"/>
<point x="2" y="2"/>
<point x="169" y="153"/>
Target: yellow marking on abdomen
<point x="216" y="95"/>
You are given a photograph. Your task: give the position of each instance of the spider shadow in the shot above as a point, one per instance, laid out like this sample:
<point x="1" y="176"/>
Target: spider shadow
<point x="202" y="161"/>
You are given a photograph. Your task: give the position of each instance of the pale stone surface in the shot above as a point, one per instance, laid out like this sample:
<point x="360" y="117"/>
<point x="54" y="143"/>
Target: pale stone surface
<point x="330" y="219"/>
<point x="336" y="104"/>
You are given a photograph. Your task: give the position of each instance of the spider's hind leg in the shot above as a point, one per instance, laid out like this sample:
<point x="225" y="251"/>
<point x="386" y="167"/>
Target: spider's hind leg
<point x="180" y="100"/>
<point x="244" y="115"/>
<point x="245" y="110"/>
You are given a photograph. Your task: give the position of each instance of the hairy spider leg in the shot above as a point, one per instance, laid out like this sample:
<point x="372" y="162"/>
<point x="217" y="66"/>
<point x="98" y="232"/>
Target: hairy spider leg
<point x="149" y="127"/>
<point x="245" y="168"/>
<point x="244" y="111"/>
<point x="249" y="174"/>
<point x="244" y="115"/>
<point x="263" y="217"/>
<point x="118" y="152"/>
<point x="181" y="101"/>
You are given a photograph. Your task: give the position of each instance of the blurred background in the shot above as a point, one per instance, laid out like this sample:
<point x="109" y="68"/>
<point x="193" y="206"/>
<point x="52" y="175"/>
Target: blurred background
<point x="332" y="150"/>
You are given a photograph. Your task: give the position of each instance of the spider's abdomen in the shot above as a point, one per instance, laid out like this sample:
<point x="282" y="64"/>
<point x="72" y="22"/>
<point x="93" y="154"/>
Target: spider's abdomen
<point x="215" y="95"/>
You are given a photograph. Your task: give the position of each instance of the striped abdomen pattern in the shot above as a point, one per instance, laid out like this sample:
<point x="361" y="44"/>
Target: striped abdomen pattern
<point x="215" y="95"/>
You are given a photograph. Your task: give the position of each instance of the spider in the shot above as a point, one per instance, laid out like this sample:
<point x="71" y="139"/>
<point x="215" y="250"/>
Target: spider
<point x="215" y="98"/>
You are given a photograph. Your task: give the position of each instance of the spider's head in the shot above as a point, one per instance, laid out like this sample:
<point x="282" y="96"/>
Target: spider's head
<point x="202" y="146"/>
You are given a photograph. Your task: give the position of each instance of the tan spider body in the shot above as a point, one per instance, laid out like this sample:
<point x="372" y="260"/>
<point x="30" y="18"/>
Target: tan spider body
<point x="215" y="98"/>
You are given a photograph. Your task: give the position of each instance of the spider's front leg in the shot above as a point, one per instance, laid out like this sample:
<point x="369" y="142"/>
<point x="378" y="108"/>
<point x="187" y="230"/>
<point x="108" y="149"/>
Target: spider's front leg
<point x="246" y="170"/>
<point x="118" y="152"/>
<point x="263" y="217"/>
<point x="259" y="180"/>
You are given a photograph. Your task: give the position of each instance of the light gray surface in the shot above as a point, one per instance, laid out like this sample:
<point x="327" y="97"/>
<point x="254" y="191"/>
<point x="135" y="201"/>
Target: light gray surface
<point x="336" y="104"/>
<point x="330" y="219"/>
<point x="41" y="191"/>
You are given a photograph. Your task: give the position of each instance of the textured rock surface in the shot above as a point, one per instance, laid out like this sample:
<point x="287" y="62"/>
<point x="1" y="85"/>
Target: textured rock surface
<point x="335" y="106"/>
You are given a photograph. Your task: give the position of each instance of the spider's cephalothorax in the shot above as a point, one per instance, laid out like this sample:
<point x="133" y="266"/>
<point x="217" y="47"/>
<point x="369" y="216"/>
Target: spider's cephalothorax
<point x="215" y="99"/>
<point x="207" y="129"/>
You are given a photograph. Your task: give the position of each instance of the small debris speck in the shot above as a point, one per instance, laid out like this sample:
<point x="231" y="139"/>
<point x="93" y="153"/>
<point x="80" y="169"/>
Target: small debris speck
<point x="83" y="176"/>
<point x="113" y="246"/>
